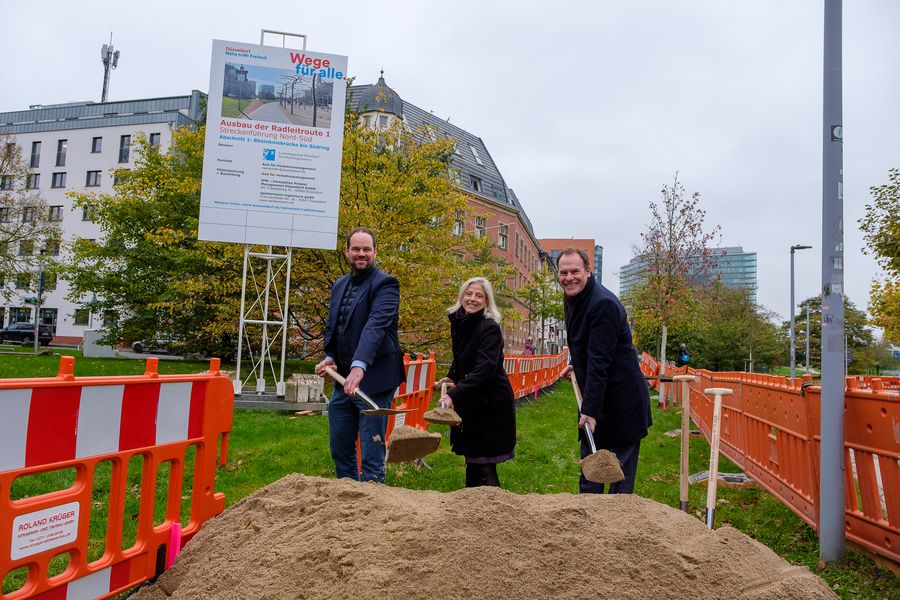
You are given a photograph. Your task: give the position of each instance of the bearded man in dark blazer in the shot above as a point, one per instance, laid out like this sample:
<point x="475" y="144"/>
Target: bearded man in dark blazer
<point x="616" y="403"/>
<point x="361" y="344"/>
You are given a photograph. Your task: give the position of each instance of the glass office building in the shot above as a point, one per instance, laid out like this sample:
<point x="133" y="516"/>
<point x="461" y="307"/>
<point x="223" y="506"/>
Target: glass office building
<point x="732" y="266"/>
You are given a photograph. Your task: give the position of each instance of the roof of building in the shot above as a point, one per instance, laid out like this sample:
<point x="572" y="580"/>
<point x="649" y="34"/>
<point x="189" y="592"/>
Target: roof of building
<point x="471" y="159"/>
<point x="378" y="97"/>
<point x="180" y="110"/>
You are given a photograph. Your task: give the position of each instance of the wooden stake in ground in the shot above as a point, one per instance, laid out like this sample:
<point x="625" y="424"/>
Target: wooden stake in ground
<point x="715" y="437"/>
<point x="685" y="435"/>
<point x="599" y="466"/>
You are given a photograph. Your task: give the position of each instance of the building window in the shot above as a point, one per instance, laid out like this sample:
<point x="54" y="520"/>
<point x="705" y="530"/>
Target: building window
<point x="459" y="226"/>
<point x="119" y="175"/>
<point x="477" y="185"/>
<point x="23" y="282"/>
<point x="26" y="247"/>
<point x="368" y="120"/>
<point x="518" y="243"/>
<point x="61" y="147"/>
<point x="96" y="145"/>
<point x="19" y="314"/>
<point x="81" y="316"/>
<point x="155" y="139"/>
<point x="33" y="181"/>
<point x="124" y="148"/>
<point x="4" y="214"/>
<point x="503" y="236"/>
<point x="56" y="213"/>
<point x="35" y="155"/>
<point x="480" y="226"/>
<point x="496" y="192"/>
<point x="454" y="176"/>
<point x="49" y="281"/>
<point x="87" y="214"/>
<point x="6" y="183"/>
<point x="28" y="214"/>
<point x="382" y="120"/>
<point x="475" y="154"/>
<point x="53" y="248"/>
<point x="58" y="180"/>
<point x="93" y="179"/>
<point x="109" y="318"/>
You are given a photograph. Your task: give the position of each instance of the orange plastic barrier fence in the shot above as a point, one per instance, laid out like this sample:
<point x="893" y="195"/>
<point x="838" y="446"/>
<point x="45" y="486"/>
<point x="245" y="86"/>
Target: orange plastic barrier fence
<point x="530" y="374"/>
<point x="770" y="428"/>
<point x="90" y="426"/>
<point x="414" y="393"/>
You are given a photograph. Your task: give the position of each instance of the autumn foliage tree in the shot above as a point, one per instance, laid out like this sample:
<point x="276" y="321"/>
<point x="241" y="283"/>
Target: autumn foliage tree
<point x="396" y="184"/>
<point x="881" y="229"/>
<point x="676" y="253"/>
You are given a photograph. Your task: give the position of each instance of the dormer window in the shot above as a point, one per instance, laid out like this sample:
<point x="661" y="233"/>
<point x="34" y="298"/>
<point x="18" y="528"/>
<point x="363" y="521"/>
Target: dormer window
<point x="477" y="185"/>
<point x="475" y="154"/>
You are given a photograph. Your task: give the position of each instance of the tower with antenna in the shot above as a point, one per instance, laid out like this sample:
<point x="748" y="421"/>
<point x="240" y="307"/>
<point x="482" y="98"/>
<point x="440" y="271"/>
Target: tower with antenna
<point x="109" y="56"/>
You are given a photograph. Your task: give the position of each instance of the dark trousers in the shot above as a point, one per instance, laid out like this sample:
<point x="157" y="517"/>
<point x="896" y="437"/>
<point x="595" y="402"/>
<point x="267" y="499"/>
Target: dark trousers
<point x="628" y="458"/>
<point x="345" y="422"/>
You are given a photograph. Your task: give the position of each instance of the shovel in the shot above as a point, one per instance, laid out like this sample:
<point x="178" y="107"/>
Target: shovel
<point x="443" y="415"/>
<point x="598" y="466"/>
<point x="375" y="410"/>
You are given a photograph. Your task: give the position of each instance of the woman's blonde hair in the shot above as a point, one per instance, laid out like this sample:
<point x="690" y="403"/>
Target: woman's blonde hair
<point x="490" y="310"/>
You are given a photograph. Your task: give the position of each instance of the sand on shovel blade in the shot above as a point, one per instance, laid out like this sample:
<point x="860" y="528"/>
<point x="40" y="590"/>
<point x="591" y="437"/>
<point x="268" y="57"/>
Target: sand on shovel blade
<point x="408" y="443"/>
<point x="602" y="467"/>
<point x="442" y="416"/>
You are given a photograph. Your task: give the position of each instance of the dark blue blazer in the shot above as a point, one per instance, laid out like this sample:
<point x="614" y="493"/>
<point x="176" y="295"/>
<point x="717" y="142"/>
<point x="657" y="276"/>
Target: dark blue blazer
<point x="371" y="330"/>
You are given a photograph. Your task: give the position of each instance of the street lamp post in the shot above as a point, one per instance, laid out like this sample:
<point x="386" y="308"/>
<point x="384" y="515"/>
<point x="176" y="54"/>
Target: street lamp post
<point x="793" y="249"/>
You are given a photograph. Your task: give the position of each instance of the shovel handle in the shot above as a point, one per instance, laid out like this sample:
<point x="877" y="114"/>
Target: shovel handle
<point x="337" y="377"/>
<point x="587" y="428"/>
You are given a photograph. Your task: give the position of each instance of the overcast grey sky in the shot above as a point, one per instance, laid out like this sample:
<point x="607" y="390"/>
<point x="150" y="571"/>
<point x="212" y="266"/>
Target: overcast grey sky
<point x="588" y="108"/>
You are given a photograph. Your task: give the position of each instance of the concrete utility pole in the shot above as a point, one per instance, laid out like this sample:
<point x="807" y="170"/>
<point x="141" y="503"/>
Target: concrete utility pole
<point x="831" y="458"/>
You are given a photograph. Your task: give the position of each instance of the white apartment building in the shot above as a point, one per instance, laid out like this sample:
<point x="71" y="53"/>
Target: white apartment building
<point x="77" y="147"/>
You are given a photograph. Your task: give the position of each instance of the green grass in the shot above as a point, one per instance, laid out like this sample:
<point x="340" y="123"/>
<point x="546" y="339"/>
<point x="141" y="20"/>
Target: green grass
<point x="265" y="446"/>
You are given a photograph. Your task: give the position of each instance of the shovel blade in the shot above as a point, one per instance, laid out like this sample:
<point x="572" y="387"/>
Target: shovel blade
<point x="385" y="411"/>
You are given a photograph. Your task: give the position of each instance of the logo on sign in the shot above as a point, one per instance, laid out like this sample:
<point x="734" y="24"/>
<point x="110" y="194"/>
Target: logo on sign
<point x="269" y="154"/>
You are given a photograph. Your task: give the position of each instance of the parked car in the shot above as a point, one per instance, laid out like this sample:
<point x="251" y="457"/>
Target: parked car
<point x="158" y="345"/>
<point x="24" y="333"/>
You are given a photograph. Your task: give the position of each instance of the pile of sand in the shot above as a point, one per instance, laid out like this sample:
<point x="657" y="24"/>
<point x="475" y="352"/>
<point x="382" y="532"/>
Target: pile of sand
<point x="306" y="537"/>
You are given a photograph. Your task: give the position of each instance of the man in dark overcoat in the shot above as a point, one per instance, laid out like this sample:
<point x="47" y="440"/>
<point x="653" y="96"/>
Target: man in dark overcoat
<point x="616" y="403"/>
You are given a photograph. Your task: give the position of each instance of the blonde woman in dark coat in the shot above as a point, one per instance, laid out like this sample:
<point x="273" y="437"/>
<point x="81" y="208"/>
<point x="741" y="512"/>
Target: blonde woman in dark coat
<point x="480" y="390"/>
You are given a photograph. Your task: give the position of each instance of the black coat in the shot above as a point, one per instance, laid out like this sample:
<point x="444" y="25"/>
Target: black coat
<point x="483" y="396"/>
<point x="606" y="366"/>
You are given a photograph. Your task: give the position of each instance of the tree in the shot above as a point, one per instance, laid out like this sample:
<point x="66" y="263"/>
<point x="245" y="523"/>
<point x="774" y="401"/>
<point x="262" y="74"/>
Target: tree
<point x="151" y="270"/>
<point x="544" y="302"/>
<point x="398" y="185"/>
<point x="735" y="333"/>
<point x="26" y="225"/>
<point x="676" y="253"/>
<point x="859" y="336"/>
<point x="148" y="268"/>
<point x="881" y="229"/>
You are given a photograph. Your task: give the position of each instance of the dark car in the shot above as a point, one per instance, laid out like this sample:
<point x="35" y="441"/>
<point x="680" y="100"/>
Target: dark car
<point x="24" y="333"/>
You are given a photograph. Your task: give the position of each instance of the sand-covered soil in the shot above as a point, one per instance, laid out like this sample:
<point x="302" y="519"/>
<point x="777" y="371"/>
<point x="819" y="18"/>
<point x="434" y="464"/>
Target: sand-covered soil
<point x="312" y="538"/>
